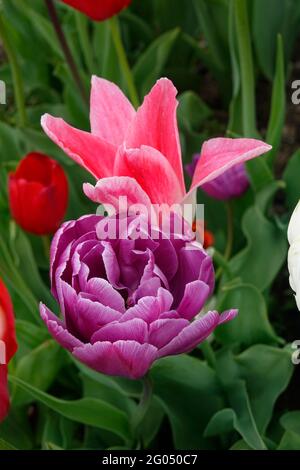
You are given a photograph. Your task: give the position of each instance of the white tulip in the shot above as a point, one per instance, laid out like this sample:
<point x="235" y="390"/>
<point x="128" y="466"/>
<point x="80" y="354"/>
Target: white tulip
<point x="294" y="253"/>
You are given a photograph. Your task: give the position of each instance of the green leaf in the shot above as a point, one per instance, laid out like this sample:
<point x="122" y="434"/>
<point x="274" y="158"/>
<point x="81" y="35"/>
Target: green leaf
<point x="89" y="411"/>
<point x="291" y="178"/>
<point x="265" y="241"/>
<point x="252" y="324"/>
<point x="151" y="63"/>
<point x="4" y="445"/>
<point x="29" y="369"/>
<point x="289" y="441"/>
<point x="278" y="105"/>
<point x="266" y="372"/>
<point x="190" y="395"/>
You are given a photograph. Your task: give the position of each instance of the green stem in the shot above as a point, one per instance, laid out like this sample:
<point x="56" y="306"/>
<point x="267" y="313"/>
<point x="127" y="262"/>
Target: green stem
<point x="16" y="73"/>
<point x="228" y="249"/>
<point x="208" y="353"/>
<point x="82" y="27"/>
<point x="116" y="35"/>
<point x="143" y="407"/>
<point x="46" y="245"/>
<point x="65" y="48"/>
<point x="246" y="67"/>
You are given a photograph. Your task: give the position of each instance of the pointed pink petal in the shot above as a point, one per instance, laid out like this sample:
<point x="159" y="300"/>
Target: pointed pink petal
<point x="111" y="112"/>
<point x="220" y="154"/>
<point x="196" y="332"/>
<point x="152" y="171"/>
<point x="194" y="297"/>
<point x="108" y="191"/>
<point x="162" y="331"/>
<point x="123" y="358"/>
<point x="95" y="155"/>
<point x="155" y="125"/>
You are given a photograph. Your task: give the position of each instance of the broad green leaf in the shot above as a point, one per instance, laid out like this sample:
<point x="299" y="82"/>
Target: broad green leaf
<point x="252" y="324"/>
<point x="151" y="63"/>
<point x="265" y="241"/>
<point x="289" y="441"/>
<point x="29" y="369"/>
<point x="89" y="411"/>
<point x="4" y="445"/>
<point x="190" y="395"/>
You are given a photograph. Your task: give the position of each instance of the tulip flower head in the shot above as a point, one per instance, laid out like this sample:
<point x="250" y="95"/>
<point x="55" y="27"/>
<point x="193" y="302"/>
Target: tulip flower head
<point x="137" y="153"/>
<point x="98" y="10"/>
<point x="8" y="345"/>
<point x="38" y="194"/>
<point x="231" y="184"/>
<point x="128" y="300"/>
<point x="294" y="253"/>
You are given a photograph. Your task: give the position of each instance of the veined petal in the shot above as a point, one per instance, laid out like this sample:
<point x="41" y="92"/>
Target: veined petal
<point x="111" y="112"/>
<point x="155" y="125"/>
<point x="94" y="154"/>
<point x="153" y="173"/>
<point x="109" y="191"/>
<point x="220" y="154"/>
<point x="123" y="358"/>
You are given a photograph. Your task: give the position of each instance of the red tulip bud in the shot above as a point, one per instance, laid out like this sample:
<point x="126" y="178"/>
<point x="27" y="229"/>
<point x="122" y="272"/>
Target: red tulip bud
<point x="98" y="10"/>
<point x="38" y="194"/>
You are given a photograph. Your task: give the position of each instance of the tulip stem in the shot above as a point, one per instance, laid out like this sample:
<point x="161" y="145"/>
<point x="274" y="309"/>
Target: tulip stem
<point x="46" y="245"/>
<point x="143" y="407"/>
<point x="65" y="48"/>
<point x="16" y="73"/>
<point x="82" y="26"/>
<point x="116" y="35"/>
<point x="228" y="249"/>
<point x="208" y="353"/>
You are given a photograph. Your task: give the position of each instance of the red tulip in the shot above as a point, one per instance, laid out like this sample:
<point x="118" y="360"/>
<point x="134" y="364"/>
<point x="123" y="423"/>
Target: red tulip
<point x="8" y="339"/>
<point x="98" y="10"/>
<point x="38" y="194"/>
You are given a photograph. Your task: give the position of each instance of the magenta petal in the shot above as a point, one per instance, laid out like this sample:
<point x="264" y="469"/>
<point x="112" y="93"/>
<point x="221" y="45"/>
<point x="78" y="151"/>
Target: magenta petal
<point x="91" y="316"/>
<point x="111" y="112"/>
<point x="105" y="294"/>
<point x="58" y="330"/>
<point x="95" y="155"/>
<point x="155" y="125"/>
<point x="123" y="358"/>
<point x="135" y="329"/>
<point x="194" y="298"/>
<point x="150" y="308"/>
<point x="195" y="333"/>
<point x="162" y="331"/>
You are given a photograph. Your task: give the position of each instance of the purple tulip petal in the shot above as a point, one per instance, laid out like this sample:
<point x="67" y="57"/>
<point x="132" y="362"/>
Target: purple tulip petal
<point x="58" y="330"/>
<point x="161" y="332"/>
<point x="135" y="329"/>
<point x="123" y="358"/>
<point x="192" y="335"/>
<point x="194" y="298"/>
<point x="105" y="294"/>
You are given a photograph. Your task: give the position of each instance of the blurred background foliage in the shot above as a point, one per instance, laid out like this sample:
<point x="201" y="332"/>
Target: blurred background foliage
<point x="233" y="62"/>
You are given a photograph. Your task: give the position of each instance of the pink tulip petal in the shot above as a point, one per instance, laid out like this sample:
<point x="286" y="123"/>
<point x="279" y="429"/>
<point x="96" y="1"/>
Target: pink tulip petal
<point x="155" y="125"/>
<point x="95" y="155"/>
<point x="108" y="191"/>
<point x="105" y="293"/>
<point x="194" y="298"/>
<point x="111" y="112"/>
<point x="123" y="358"/>
<point x="162" y="331"/>
<point x="58" y="330"/>
<point x="220" y="154"/>
<point x="153" y="173"/>
<point x="196" y="332"/>
<point x="135" y="329"/>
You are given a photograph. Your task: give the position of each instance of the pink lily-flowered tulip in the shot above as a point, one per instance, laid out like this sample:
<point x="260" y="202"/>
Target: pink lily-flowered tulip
<point x="137" y="153"/>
